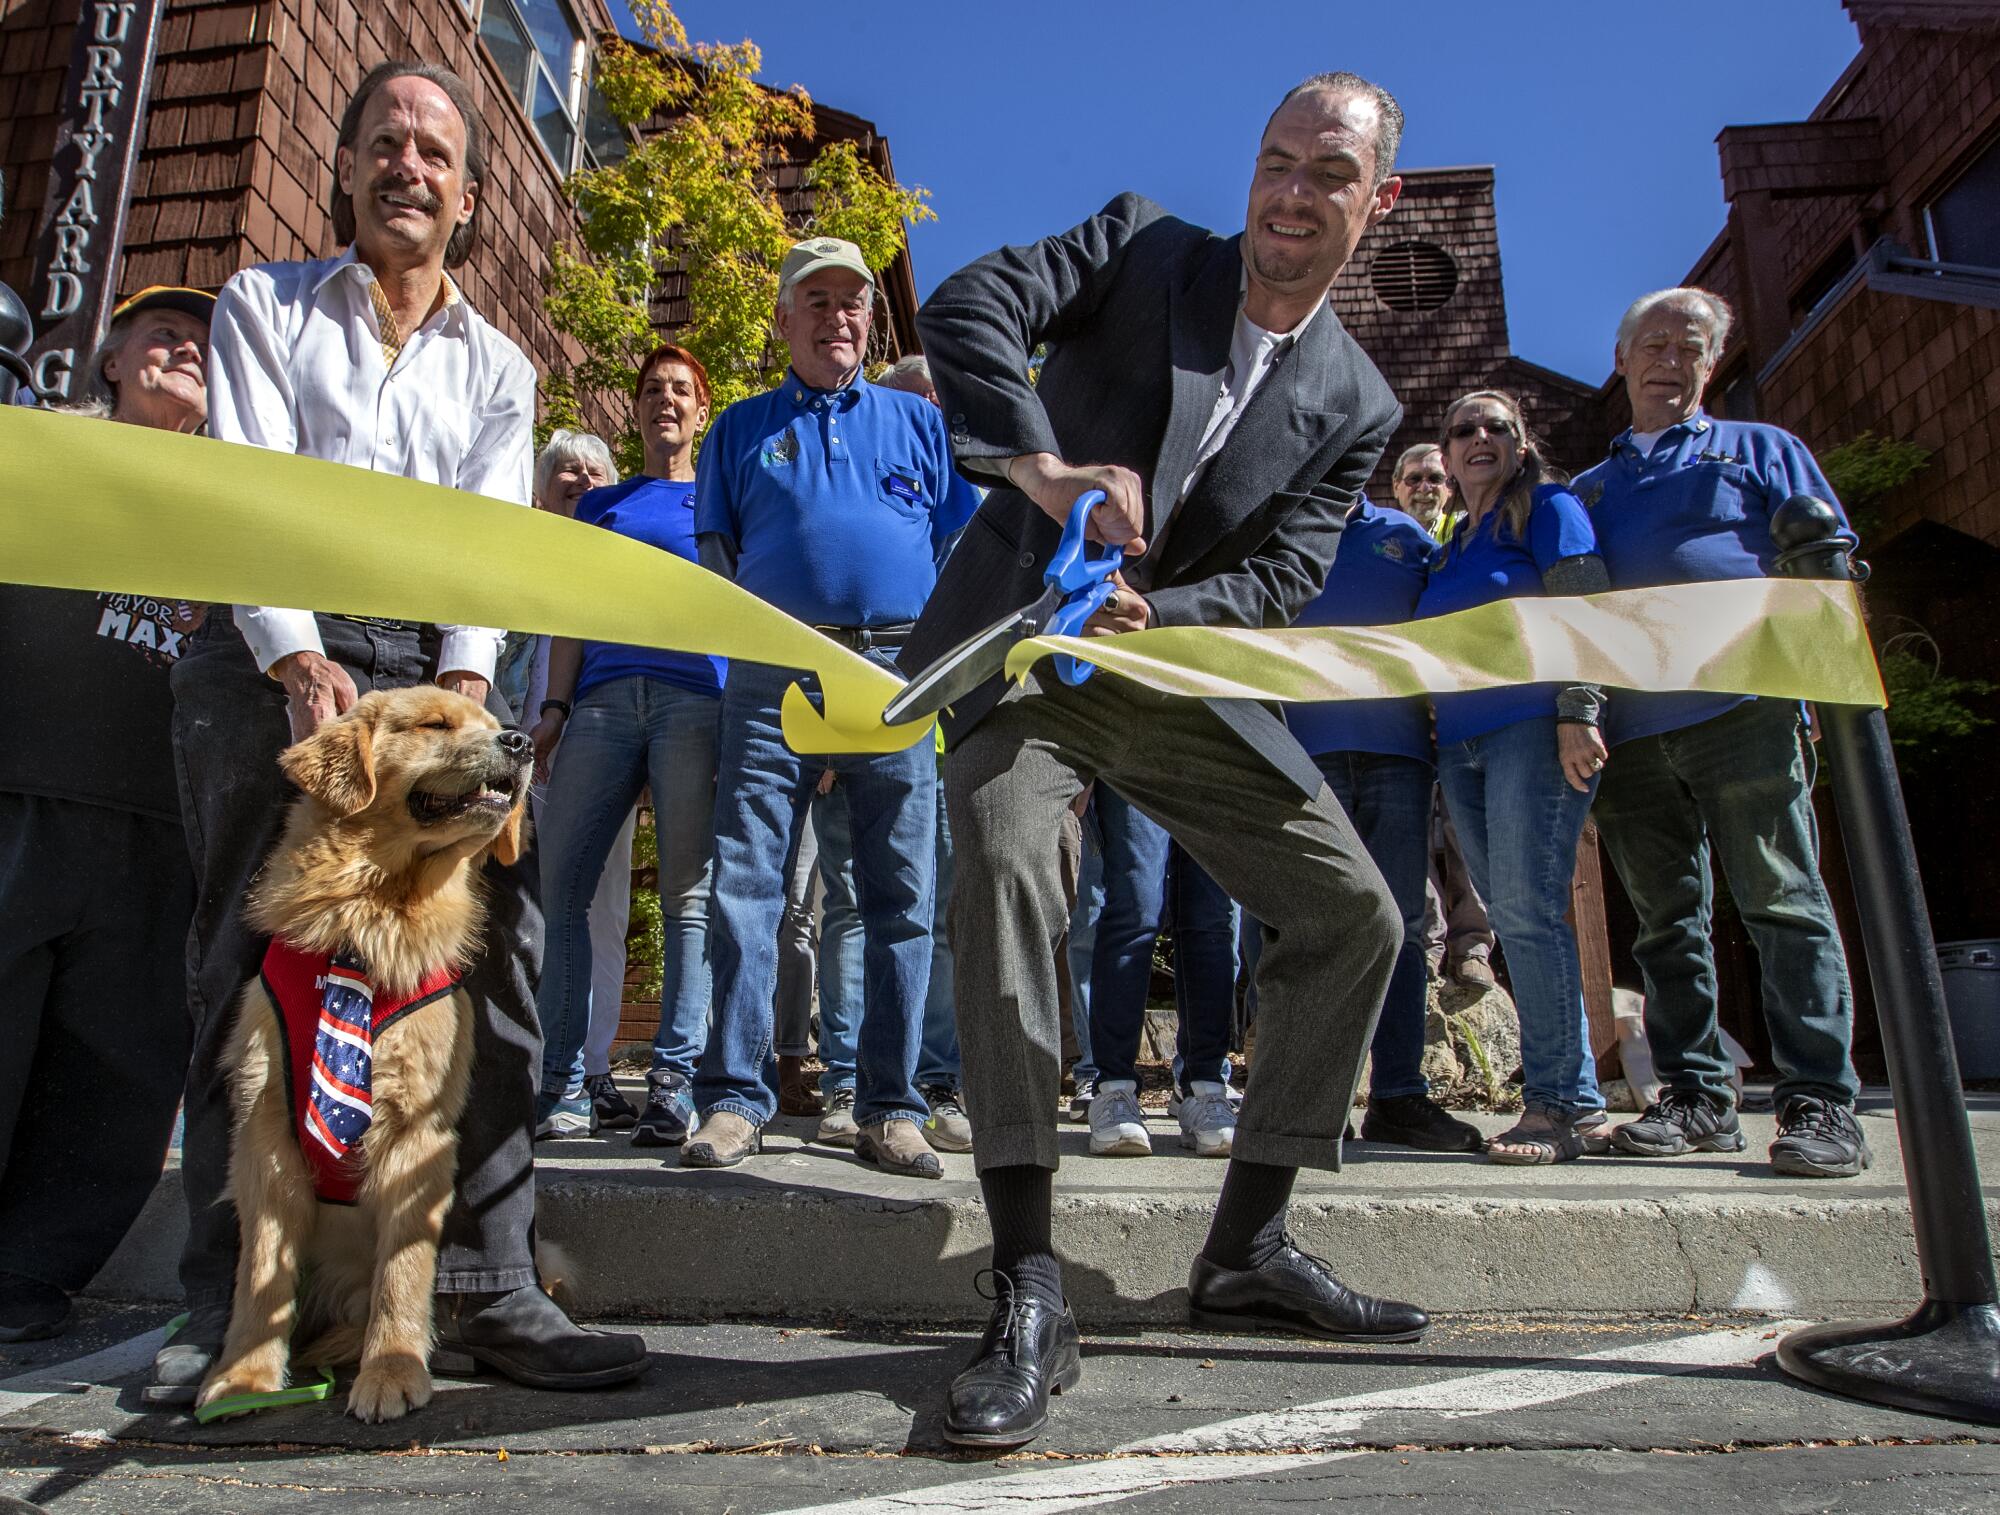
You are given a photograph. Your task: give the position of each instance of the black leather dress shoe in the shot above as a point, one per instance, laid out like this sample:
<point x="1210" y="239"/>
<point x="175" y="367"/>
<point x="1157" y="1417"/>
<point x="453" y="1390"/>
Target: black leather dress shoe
<point x="1295" y="1291"/>
<point x="1030" y="1350"/>
<point x="524" y="1335"/>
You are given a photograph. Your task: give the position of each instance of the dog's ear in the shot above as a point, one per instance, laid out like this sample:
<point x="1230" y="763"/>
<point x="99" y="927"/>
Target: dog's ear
<point x="335" y="765"/>
<point x="512" y="840"/>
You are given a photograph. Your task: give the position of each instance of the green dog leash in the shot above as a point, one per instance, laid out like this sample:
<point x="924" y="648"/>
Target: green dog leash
<point x="248" y="1404"/>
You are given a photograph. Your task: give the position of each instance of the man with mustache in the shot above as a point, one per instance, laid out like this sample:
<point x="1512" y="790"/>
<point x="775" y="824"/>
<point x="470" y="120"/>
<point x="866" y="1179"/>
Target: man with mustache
<point x="1205" y="385"/>
<point x="373" y="359"/>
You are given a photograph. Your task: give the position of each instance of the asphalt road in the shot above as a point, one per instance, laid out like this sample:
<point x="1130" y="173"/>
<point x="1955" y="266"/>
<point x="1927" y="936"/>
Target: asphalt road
<point x="1488" y="1416"/>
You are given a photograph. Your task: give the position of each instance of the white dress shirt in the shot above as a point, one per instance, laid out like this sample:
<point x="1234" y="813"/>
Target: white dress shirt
<point x="295" y="364"/>
<point x="1253" y="352"/>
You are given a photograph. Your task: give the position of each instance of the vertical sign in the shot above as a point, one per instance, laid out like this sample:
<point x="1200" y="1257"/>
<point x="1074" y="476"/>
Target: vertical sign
<point x="90" y="183"/>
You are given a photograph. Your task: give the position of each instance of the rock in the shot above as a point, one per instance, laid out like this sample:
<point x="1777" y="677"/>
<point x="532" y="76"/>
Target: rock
<point x="1485" y="1034"/>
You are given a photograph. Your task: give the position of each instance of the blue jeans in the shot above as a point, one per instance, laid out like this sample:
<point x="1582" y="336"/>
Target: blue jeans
<point x="843" y="978"/>
<point x="1388" y="798"/>
<point x="1083" y="944"/>
<point x="1135" y="898"/>
<point x="937" y="1058"/>
<point x="1204" y="971"/>
<point x="1518" y="822"/>
<point x="759" y="813"/>
<point x="624" y="735"/>
<point x="1735" y="790"/>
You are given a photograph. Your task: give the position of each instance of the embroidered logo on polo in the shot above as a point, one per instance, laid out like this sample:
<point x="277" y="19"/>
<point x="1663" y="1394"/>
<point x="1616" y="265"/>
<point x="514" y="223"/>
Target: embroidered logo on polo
<point x="781" y="449"/>
<point x="1590" y="494"/>
<point x="1391" y="549"/>
<point x="342" y="1104"/>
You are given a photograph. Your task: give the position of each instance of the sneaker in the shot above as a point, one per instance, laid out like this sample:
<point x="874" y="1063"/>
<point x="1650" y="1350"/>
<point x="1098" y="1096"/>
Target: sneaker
<point x="1681" y="1121"/>
<point x="947" y="1130"/>
<point x="184" y="1359"/>
<point x="837" y="1127"/>
<point x="1208" y="1120"/>
<point x="614" y="1111"/>
<point x="669" y="1119"/>
<point x="1117" y="1124"/>
<point x="1818" y="1139"/>
<point x="1079" y="1100"/>
<point x="1417" y="1120"/>
<point x="557" y="1118"/>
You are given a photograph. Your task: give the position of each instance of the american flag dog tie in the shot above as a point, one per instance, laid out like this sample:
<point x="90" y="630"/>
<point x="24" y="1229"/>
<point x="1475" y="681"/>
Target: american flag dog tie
<point x="343" y="1058"/>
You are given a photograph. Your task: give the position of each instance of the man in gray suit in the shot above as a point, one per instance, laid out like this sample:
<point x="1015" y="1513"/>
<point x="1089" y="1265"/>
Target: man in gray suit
<point x="1206" y="386"/>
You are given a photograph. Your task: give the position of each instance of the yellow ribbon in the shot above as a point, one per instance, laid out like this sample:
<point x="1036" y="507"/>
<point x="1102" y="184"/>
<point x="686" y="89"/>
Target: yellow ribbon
<point x="1794" y="638"/>
<point x="91" y="505"/>
<point x="88" y="505"/>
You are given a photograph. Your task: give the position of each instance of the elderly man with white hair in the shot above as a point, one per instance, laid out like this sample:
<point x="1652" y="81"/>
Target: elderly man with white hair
<point x="1695" y="780"/>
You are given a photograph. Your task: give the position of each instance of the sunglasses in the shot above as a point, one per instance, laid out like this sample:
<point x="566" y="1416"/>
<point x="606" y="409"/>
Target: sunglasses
<point x="1433" y="477"/>
<point x="1493" y="426"/>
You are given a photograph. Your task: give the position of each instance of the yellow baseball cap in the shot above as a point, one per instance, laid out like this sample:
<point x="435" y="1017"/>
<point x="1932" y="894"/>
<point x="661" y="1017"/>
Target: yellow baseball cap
<point x="198" y="303"/>
<point x="815" y="253"/>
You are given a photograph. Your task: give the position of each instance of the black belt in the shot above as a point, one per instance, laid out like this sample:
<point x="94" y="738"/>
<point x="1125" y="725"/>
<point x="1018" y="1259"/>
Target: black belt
<point x="861" y="638"/>
<point x="376" y="620"/>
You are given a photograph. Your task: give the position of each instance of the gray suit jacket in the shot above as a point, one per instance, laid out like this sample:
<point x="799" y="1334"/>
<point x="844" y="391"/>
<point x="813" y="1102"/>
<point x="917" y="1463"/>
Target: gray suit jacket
<point x="1137" y="309"/>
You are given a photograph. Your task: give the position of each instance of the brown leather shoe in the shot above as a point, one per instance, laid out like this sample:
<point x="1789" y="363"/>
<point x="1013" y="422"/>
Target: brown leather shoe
<point x="796" y="1096"/>
<point x="1474" y="973"/>
<point x="723" y="1140"/>
<point x="898" y="1146"/>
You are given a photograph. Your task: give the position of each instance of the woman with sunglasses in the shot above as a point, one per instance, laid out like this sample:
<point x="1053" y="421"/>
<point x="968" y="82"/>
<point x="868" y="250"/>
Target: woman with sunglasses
<point x="1520" y="764"/>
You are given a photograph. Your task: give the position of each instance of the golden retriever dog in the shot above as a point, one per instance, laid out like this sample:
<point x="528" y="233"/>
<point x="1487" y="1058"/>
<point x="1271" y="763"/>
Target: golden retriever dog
<point x="376" y="879"/>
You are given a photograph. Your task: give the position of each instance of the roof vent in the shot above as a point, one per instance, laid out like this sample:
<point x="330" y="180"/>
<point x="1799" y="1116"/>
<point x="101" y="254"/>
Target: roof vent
<point x="1413" y="276"/>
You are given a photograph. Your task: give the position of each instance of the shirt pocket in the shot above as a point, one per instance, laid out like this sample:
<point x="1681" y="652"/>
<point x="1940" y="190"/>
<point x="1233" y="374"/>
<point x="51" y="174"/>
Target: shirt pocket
<point x="901" y="487"/>
<point x="1715" y="492"/>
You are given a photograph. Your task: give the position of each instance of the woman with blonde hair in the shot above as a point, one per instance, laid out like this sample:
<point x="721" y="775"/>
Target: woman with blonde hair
<point x="1520" y="764"/>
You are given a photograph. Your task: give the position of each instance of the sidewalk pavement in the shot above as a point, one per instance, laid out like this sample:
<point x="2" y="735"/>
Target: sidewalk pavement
<point x="806" y="1232"/>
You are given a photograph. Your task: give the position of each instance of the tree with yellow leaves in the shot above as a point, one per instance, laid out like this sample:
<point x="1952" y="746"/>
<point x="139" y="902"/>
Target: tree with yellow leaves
<point x="699" y="191"/>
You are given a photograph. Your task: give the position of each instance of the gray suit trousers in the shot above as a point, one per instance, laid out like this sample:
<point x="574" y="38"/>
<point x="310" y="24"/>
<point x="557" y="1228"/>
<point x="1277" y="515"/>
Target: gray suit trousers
<point x="1331" y="930"/>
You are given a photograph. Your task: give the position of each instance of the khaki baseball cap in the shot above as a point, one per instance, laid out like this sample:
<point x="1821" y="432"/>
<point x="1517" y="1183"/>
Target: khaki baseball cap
<point x="815" y="253"/>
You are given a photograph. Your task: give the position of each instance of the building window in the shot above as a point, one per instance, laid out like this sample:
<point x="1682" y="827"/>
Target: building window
<point x="605" y="142"/>
<point x="1413" y="276"/>
<point x="1964" y="221"/>
<point x="536" y="44"/>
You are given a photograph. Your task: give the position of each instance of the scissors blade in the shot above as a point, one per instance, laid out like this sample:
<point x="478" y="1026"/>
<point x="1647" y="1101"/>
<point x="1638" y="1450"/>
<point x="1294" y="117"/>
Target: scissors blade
<point x="968" y="665"/>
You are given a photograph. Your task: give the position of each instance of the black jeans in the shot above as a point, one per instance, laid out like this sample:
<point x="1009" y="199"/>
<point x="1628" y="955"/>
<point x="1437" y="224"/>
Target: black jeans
<point x="94" y="906"/>
<point x="229" y="727"/>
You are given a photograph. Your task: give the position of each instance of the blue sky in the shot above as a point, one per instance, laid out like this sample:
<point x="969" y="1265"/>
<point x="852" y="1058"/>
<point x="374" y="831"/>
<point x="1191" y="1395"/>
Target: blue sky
<point x="1600" y="118"/>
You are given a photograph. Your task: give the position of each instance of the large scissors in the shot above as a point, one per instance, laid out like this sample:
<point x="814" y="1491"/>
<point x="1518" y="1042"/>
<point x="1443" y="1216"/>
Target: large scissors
<point x="1078" y="581"/>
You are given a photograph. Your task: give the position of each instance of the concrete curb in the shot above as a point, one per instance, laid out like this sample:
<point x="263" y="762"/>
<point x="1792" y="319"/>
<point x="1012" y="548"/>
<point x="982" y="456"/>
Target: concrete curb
<point x="647" y="1244"/>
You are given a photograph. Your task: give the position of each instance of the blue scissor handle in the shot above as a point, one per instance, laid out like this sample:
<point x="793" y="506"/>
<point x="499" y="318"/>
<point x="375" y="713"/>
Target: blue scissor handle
<point x="1084" y="577"/>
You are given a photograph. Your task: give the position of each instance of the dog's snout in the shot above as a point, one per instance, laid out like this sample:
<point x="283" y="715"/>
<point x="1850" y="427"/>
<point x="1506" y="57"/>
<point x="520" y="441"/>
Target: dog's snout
<point x="517" y="744"/>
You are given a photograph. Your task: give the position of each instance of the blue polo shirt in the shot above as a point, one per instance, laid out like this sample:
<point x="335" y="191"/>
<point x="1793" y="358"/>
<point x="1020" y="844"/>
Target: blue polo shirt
<point x="660" y="513"/>
<point x="1697" y="509"/>
<point x="835" y="503"/>
<point x="1489" y="564"/>
<point x="1376" y="580"/>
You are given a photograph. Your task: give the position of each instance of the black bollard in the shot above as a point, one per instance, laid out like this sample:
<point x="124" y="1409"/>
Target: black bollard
<point x="1945" y="1358"/>
<point x="16" y="332"/>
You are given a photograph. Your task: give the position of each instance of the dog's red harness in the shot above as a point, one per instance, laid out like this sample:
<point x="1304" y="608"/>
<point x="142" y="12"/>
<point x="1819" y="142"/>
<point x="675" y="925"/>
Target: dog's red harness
<point x="294" y="980"/>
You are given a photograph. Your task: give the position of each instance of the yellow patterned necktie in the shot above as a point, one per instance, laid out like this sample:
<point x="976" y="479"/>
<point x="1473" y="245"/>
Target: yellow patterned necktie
<point x="392" y="334"/>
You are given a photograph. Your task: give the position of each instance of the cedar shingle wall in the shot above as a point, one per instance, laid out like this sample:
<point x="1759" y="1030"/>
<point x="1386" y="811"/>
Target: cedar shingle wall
<point x="35" y="40"/>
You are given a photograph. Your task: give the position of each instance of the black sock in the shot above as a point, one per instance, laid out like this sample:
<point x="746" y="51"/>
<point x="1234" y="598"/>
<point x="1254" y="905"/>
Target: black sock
<point x="1018" y="1204"/>
<point x="1249" y="1221"/>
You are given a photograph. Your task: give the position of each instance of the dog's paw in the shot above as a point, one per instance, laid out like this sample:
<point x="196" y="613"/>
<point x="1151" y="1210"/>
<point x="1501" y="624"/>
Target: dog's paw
<point x="388" y="1388"/>
<point x="245" y="1376"/>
